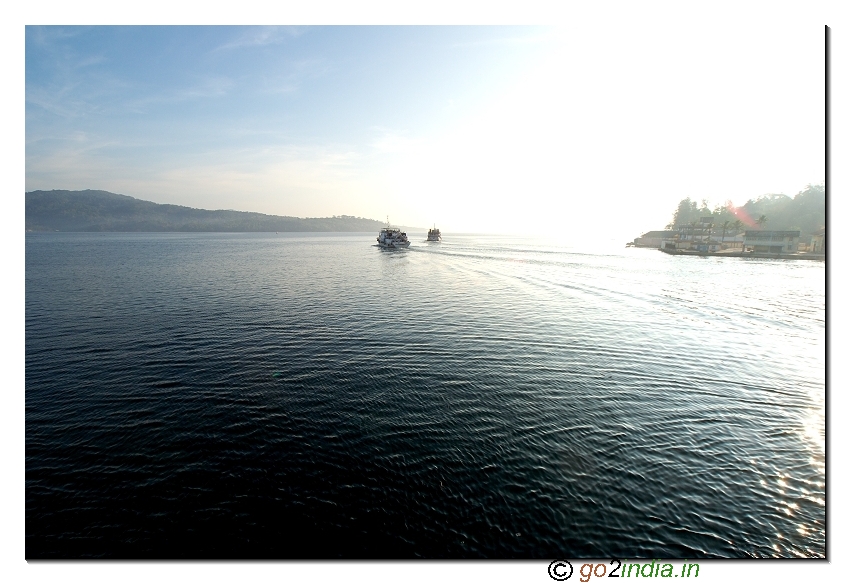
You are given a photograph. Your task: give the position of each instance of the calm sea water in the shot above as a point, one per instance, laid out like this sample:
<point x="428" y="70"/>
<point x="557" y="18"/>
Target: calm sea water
<point x="314" y="396"/>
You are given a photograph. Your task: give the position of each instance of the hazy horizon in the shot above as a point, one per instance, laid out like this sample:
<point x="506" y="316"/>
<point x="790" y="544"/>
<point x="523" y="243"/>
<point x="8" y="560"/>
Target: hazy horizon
<point x="491" y="129"/>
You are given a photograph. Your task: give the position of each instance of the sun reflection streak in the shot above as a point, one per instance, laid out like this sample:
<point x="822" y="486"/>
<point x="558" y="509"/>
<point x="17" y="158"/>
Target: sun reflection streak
<point x="813" y="435"/>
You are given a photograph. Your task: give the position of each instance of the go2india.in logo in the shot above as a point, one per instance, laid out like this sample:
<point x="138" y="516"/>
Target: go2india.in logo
<point x="563" y="570"/>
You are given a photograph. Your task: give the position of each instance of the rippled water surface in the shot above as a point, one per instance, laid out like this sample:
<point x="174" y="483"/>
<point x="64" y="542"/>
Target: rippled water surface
<point x="313" y="396"/>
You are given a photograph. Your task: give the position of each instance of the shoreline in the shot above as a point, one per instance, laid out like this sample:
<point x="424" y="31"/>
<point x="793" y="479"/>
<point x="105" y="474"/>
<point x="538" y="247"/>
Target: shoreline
<point x="752" y="255"/>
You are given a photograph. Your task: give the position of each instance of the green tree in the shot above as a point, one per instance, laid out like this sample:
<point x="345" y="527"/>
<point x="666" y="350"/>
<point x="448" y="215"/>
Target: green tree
<point x="761" y="221"/>
<point x="722" y="213"/>
<point x="723" y="236"/>
<point x="685" y="213"/>
<point x="806" y="211"/>
<point x="738" y="225"/>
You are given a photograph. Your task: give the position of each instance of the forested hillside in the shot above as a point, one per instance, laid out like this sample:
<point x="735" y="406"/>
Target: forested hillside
<point x="98" y="210"/>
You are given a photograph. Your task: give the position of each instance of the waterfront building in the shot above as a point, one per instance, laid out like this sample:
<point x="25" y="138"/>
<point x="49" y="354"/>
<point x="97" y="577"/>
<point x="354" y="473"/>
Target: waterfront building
<point x="733" y="242"/>
<point x="691" y="235"/>
<point x="772" y="241"/>
<point x="655" y="238"/>
<point x="819" y="241"/>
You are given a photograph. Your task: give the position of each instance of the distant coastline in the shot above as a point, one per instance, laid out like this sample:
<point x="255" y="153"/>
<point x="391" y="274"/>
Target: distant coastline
<point x="102" y="211"/>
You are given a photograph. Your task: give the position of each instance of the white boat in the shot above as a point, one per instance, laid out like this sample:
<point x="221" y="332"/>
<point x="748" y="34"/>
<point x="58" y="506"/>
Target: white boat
<point x="392" y="238"/>
<point x="434" y="234"/>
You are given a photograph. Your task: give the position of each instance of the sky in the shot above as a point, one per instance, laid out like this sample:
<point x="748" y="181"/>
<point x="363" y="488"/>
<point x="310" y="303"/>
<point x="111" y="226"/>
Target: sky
<point x="516" y="129"/>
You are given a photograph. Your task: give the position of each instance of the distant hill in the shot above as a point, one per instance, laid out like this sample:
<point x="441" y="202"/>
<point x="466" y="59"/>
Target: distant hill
<point x="98" y="210"/>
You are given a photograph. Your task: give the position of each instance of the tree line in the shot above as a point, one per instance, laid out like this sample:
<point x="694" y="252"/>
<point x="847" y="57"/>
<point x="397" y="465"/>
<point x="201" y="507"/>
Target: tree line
<point x="805" y="212"/>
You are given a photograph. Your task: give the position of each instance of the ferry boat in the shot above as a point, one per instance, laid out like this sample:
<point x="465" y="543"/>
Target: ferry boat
<point x="434" y="234"/>
<point x="392" y="238"/>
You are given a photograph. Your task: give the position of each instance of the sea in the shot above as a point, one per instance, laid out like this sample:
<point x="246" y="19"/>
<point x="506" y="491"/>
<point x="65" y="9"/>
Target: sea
<point x="313" y="396"/>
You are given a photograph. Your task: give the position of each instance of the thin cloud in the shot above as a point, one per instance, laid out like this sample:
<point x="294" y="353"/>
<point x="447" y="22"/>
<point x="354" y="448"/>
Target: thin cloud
<point x="292" y="82"/>
<point x="89" y="61"/>
<point x="262" y="36"/>
<point x="98" y="93"/>
<point x="45" y="36"/>
<point x="54" y="101"/>
<point x="210" y="87"/>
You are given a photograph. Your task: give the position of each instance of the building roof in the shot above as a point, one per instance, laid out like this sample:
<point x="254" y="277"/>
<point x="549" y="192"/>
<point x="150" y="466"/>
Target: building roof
<point x="659" y="235"/>
<point x="772" y="233"/>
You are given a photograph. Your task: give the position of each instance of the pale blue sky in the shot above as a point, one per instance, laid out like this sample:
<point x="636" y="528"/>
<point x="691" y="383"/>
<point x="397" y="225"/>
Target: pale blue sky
<point x="476" y="128"/>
